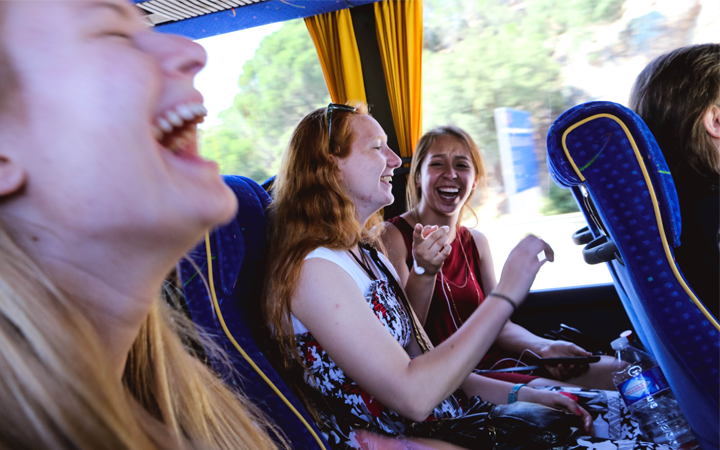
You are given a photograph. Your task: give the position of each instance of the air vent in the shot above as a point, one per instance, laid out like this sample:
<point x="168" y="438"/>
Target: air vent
<point x="161" y="11"/>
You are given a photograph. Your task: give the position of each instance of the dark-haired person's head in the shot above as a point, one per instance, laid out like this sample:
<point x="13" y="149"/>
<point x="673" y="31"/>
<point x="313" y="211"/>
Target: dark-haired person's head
<point x="678" y="97"/>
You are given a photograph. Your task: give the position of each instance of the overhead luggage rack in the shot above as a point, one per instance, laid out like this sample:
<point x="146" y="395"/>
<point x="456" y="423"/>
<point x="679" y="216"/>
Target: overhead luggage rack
<point x="162" y="11"/>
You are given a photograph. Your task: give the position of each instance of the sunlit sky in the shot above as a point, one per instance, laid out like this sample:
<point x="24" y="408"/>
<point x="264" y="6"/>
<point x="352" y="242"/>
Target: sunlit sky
<point x="226" y="54"/>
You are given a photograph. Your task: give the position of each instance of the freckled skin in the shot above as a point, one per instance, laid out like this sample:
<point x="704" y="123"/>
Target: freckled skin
<point x="369" y="161"/>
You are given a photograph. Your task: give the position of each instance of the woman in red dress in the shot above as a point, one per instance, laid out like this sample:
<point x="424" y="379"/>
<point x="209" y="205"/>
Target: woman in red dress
<point x="455" y="269"/>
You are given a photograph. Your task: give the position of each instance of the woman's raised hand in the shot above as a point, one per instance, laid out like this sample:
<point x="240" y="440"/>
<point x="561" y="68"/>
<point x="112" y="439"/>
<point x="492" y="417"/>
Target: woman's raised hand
<point x="430" y="247"/>
<point x="522" y="266"/>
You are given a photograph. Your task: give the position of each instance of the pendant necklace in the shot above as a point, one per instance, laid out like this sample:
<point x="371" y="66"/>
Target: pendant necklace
<point x="452" y="308"/>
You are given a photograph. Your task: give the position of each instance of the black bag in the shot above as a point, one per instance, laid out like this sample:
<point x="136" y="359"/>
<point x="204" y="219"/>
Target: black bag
<point x="523" y="425"/>
<point x="517" y="426"/>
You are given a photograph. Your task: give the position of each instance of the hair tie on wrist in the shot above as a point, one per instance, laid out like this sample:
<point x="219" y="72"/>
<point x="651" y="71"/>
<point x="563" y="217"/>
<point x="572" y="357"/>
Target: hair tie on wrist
<point x="506" y="298"/>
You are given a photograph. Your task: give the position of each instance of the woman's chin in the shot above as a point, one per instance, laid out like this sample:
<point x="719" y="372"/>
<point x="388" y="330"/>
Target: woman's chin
<point x="207" y="211"/>
<point x="222" y="208"/>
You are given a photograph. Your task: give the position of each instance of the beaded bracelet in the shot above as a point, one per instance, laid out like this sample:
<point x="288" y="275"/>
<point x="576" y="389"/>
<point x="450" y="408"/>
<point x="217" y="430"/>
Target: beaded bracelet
<point x="506" y="298"/>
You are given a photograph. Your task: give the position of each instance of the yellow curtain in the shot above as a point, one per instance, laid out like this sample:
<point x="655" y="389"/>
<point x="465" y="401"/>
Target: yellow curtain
<point x="399" y="27"/>
<point x="334" y="38"/>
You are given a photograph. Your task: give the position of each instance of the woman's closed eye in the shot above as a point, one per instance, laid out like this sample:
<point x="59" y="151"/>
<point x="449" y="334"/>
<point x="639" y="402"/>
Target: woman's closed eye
<point x="121" y="36"/>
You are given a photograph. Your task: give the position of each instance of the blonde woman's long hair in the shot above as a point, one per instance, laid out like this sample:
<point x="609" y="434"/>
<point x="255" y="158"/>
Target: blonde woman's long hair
<point x="311" y="209"/>
<point x="413" y="194"/>
<point x="57" y="389"/>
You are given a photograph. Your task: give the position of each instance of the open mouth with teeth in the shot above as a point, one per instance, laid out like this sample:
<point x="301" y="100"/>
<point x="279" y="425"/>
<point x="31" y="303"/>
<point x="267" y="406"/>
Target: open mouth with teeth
<point x="386" y="179"/>
<point x="448" y="193"/>
<point x="176" y="128"/>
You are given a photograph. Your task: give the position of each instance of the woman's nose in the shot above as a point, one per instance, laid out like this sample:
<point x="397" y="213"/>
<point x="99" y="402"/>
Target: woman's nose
<point x="176" y="55"/>
<point x="394" y="160"/>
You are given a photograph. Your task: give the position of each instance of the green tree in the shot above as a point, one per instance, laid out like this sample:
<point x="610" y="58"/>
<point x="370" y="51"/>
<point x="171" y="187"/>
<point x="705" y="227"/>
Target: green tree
<point x="483" y="54"/>
<point x="278" y="86"/>
<point x="480" y="55"/>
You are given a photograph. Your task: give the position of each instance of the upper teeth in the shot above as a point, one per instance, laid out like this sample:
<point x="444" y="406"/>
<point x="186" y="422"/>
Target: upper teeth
<point x="387" y="178"/>
<point x="449" y="190"/>
<point x="177" y="117"/>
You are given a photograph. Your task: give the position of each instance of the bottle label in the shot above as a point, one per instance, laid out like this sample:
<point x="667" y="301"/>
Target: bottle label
<point x="642" y="385"/>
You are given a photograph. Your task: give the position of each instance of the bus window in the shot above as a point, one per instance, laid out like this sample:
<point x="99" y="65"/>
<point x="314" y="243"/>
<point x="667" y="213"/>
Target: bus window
<point x="503" y="71"/>
<point x="257" y="85"/>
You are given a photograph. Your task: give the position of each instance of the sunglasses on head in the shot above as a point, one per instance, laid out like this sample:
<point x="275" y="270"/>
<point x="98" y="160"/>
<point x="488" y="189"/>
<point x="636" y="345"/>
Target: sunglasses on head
<point x="336" y="107"/>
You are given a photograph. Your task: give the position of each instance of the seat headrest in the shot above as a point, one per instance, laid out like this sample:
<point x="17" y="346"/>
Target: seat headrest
<point x="575" y="145"/>
<point x="232" y="247"/>
<point x="268" y="184"/>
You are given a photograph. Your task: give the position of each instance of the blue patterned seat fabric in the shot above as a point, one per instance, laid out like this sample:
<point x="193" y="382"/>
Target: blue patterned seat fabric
<point x="682" y="337"/>
<point x="237" y="249"/>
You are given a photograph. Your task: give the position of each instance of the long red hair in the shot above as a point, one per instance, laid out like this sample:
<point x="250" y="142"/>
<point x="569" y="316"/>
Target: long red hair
<point x="311" y="209"/>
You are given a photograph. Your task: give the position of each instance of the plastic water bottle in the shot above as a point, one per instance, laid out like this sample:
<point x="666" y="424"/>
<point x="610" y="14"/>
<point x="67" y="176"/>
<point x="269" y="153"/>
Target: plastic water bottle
<point x="647" y="394"/>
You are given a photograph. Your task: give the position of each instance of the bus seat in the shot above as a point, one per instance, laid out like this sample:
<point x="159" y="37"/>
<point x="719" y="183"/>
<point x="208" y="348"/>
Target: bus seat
<point x="226" y="311"/>
<point x="268" y="184"/>
<point x="608" y="157"/>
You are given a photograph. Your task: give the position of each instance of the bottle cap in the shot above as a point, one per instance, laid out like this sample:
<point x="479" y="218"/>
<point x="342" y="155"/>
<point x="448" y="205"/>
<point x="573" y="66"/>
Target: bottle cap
<point x="619" y="343"/>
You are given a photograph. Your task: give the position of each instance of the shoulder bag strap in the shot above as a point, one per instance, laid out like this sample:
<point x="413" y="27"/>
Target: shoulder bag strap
<point x="418" y="331"/>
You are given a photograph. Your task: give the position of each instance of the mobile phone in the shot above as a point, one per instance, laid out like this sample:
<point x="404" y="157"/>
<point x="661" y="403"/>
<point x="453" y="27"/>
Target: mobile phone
<point x="537" y="363"/>
<point x="565" y="360"/>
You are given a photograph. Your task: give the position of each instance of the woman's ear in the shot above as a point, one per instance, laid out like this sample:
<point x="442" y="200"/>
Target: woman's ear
<point x="12" y="176"/>
<point x="338" y="168"/>
<point x="712" y="121"/>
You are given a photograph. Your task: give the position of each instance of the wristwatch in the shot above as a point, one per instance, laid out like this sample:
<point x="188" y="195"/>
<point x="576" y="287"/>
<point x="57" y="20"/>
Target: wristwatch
<point x="512" y="396"/>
